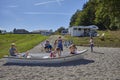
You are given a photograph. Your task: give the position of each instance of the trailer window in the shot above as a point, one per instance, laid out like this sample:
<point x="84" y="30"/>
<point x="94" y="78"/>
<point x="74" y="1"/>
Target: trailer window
<point x="75" y="28"/>
<point x="79" y="29"/>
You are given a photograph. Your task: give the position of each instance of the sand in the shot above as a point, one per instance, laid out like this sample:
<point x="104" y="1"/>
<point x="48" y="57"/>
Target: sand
<point x="102" y="64"/>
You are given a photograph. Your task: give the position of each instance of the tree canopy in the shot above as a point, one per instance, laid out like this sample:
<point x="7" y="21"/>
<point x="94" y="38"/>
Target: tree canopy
<point x="103" y="13"/>
<point x="58" y="31"/>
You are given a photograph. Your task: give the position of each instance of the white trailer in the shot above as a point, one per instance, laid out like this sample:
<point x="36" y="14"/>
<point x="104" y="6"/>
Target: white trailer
<point x="83" y="30"/>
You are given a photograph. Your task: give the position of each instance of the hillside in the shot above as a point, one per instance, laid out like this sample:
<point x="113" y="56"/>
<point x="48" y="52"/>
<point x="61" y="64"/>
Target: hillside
<point x="23" y="42"/>
<point x="111" y="39"/>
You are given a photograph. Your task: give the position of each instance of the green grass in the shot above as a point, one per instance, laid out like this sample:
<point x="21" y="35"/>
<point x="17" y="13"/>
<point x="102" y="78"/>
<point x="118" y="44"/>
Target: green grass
<point x="111" y="39"/>
<point x="23" y="42"/>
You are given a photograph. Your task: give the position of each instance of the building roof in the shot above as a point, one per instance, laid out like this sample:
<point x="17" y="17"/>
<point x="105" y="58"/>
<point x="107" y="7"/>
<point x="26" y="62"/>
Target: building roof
<point x="41" y="31"/>
<point x="86" y="27"/>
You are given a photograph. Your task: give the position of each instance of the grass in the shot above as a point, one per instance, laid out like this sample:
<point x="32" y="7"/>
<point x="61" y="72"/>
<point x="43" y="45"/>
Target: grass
<point x="111" y="39"/>
<point x="23" y="42"/>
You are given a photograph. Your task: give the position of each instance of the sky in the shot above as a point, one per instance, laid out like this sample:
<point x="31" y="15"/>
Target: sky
<point x="37" y="14"/>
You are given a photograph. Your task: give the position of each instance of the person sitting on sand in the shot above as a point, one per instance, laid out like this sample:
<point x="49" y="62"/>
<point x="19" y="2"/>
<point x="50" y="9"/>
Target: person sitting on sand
<point x="56" y="51"/>
<point x="48" y="47"/>
<point x="73" y="49"/>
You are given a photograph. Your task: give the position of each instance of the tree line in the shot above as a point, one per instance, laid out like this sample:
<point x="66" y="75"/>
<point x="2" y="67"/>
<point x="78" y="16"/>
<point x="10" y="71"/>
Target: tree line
<point x="103" y="13"/>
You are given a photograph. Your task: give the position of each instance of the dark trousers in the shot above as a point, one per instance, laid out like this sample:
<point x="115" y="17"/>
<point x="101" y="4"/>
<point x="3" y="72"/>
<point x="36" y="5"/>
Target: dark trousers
<point x="91" y="46"/>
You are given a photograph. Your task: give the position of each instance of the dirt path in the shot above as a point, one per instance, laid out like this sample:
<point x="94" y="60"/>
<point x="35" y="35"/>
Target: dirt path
<point x="40" y="47"/>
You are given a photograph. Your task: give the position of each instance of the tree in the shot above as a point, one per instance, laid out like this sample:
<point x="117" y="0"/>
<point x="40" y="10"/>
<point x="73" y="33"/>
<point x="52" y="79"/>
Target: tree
<point x="103" y="13"/>
<point x="73" y="18"/>
<point x="107" y="13"/>
<point x="58" y="31"/>
<point x="84" y="17"/>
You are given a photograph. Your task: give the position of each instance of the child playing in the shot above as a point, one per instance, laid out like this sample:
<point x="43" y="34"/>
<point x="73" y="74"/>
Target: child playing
<point x="26" y="55"/>
<point x="53" y="53"/>
<point x="14" y="52"/>
<point x="48" y="47"/>
<point x="73" y="49"/>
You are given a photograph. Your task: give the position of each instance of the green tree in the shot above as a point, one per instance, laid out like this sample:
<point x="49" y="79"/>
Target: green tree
<point x="58" y="31"/>
<point x="84" y="17"/>
<point x="73" y="21"/>
<point x="103" y="13"/>
<point x="107" y="13"/>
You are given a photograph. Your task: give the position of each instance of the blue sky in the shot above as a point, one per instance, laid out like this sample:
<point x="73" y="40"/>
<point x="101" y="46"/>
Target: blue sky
<point x="37" y="14"/>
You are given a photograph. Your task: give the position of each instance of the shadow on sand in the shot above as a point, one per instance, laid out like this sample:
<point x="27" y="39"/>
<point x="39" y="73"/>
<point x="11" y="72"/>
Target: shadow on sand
<point x="72" y="63"/>
<point x="97" y="52"/>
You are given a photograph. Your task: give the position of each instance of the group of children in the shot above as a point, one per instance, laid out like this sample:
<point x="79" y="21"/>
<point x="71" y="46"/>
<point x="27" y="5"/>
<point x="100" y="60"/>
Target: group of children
<point x="58" y="47"/>
<point x="72" y="48"/>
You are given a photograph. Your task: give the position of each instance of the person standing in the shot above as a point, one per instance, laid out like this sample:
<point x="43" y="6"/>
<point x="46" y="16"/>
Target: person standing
<point x="91" y="44"/>
<point x="55" y="44"/>
<point x="60" y="44"/>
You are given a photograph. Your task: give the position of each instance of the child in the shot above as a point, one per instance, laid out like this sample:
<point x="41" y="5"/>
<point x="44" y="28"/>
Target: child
<point x="55" y="44"/>
<point x="91" y="44"/>
<point x="26" y="55"/>
<point x="60" y="43"/>
<point x="53" y="53"/>
<point x="13" y="50"/>
<point x="48" y="47"/>
<point x="73" y="49"/>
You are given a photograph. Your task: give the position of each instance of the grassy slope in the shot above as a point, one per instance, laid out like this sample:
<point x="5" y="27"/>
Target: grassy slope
<point x="23" y="42"/>
<point x="111" y="39"/>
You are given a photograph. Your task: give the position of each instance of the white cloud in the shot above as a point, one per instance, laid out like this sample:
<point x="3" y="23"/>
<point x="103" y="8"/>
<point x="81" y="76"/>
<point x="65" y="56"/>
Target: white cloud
<point x="47" y="2"/>
<point x="58" y="1"/>
<point x="48" y="13"/>
<point x="13" y="6"/>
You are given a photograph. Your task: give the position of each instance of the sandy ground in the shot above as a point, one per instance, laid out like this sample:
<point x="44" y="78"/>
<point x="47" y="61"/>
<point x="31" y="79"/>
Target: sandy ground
<point x="102" y="64"/>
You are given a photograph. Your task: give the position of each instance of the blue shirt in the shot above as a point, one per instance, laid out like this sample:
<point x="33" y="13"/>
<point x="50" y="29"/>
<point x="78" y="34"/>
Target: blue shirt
<point x="12" y="51"/>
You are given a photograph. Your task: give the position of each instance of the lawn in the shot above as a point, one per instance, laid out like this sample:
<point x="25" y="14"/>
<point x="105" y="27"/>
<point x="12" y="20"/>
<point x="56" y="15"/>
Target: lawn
<point x="111" y="39"/>
<point x="23" y="42"/>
